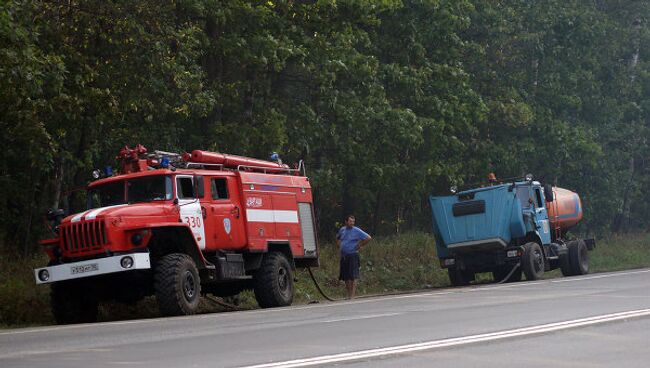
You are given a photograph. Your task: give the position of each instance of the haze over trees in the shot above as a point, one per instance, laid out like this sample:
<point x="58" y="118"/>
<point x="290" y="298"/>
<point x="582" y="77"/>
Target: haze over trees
<point x="387" y="101"/>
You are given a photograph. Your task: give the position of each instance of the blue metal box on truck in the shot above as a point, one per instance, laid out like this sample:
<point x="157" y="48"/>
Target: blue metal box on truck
<point x="506" y="228"/>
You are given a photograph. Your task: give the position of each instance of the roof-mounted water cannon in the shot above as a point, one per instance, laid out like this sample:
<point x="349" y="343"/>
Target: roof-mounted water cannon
<point x="130" y="159"/>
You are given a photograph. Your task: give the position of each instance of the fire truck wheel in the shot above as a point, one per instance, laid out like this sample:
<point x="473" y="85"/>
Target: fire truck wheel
<point x="578" y="257"/>
<point x="177" y="285"/>
<point x="274" y="281"/>
<point x="72" y="303"/>
<point x="532" y="261"/>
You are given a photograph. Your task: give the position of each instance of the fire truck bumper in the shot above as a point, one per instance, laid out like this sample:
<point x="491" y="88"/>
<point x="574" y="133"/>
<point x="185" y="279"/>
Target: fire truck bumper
<point x="93" y="267"/>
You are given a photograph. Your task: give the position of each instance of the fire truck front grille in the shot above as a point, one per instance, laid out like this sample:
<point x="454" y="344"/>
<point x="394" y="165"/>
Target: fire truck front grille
<point x="84" y="236"/>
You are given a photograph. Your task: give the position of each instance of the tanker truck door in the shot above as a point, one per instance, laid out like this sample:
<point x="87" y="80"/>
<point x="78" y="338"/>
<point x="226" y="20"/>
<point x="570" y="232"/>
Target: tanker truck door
<point x="190" y="208"/>
<point x="541" y="216"/>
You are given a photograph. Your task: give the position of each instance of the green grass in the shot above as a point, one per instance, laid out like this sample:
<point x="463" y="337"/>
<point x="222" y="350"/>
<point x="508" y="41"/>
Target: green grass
<point x="388" y="265"/>
<point x="621" y="253"/>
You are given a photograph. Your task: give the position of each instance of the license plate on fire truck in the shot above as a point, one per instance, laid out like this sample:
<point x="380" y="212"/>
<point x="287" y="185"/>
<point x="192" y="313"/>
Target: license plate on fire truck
<point x="84" y="268"/>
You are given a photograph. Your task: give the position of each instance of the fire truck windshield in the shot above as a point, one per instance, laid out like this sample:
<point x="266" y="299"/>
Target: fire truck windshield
<point x="145" y="189"/>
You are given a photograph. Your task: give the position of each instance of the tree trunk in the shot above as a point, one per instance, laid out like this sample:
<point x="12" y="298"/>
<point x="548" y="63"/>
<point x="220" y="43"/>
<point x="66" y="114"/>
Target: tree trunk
<point x="621" y="222"/>
<point x="58" y="182"/>
<point x="349" y="203"/>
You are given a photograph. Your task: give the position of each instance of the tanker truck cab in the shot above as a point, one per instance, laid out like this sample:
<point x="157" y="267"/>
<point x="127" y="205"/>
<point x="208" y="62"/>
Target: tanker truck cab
<point x="178" y="227"/>
<point x="534" y="211"/>
<point x="514" y="227"/>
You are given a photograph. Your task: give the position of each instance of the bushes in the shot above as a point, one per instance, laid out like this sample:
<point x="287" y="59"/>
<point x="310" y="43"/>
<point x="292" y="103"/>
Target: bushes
<point x="21" y="301"/>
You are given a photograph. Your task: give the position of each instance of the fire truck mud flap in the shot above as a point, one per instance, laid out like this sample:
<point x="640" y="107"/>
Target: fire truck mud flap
<point x="94" y="267"/>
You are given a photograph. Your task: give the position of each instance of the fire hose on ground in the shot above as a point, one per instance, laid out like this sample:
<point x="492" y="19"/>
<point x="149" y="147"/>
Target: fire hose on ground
<point x="224" y="304"/>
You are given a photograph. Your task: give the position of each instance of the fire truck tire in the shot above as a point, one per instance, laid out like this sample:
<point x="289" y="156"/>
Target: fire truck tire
<point x="177" y="285"/>
<point x="274" y="281"/>
<point x="71" y="303"/>
<point x="578" y="257"/>
<point x="532" y="261"/>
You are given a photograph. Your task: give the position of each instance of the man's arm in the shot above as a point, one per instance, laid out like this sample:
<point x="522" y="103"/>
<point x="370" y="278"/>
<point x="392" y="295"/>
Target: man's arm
<point x="363" y="242"/>
<point x="338" y="239"/>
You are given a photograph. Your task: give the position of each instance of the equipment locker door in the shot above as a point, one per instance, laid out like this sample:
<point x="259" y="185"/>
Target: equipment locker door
<point x="224" y="214"/>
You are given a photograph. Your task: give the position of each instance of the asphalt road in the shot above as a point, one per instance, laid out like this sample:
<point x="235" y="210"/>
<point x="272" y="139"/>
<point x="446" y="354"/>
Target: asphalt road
<point x="598" y="320"/>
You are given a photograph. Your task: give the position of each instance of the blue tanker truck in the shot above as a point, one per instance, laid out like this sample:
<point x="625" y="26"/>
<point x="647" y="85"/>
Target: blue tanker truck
<point x="508" y="228"/>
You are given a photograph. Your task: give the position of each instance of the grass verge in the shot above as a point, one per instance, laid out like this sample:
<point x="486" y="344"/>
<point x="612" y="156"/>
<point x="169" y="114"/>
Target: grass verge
<point x="388" y="265"/>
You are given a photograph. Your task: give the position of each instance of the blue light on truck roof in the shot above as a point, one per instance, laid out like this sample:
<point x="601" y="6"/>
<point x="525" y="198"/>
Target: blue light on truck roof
<point x="164" y="162"/>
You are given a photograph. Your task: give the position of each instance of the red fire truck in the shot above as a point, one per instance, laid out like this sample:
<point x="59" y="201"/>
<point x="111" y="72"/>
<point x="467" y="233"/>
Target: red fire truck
<point x="179" y="226"/>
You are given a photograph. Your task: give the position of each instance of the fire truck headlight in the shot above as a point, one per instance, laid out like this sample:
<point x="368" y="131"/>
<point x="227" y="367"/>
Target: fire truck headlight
<point x="43" y="275"/>
<point x="126" y="262"/>
<point x="97" y="174"/>
<point x="136" y="239"/>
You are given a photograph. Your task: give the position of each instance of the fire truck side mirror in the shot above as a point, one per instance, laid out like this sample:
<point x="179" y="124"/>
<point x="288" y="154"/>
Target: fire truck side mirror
<point x="55" y="216"/>
<point x="199" y="187"/>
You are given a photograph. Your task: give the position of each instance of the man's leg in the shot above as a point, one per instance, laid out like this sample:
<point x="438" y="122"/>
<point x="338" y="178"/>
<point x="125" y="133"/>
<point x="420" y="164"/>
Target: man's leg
<point x="349" y="287"/>
<point x="353" y="289"/>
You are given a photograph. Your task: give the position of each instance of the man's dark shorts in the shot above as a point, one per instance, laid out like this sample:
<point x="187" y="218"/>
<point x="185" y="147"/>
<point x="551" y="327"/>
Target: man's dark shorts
<point x="350" y="265"/>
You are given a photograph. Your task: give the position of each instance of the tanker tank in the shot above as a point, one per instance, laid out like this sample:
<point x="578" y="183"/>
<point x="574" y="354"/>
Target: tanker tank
<point x="565" y="211"/>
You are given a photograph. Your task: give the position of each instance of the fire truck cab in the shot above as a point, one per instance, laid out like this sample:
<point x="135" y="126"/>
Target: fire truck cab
<point x="180" y="226"/>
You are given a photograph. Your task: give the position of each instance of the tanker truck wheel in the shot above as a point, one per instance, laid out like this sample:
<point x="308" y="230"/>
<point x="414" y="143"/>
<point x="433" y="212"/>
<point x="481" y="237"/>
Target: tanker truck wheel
<point x="177" y="285"/>
<point x="578" y="257"/>
<point x="532" y="261"/>
<point x="72" y="303"/>
<point x="274" y="281"/>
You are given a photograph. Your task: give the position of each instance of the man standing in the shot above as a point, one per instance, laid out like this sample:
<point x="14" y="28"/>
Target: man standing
<point x="350" y="239"/>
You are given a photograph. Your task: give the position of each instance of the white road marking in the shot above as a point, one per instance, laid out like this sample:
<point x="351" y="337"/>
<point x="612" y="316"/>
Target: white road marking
<point x="324" y="305"/>
<point x="22" y="354"/>
<point x="360" y="317"/>
<point x="591" y="277"/>
<point x="434" y="344"/>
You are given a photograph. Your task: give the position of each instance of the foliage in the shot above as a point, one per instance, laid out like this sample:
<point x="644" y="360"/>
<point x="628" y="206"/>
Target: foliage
<point x="387" y="101"/>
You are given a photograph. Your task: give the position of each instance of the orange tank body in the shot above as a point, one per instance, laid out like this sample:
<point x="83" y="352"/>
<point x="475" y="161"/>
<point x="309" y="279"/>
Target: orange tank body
<point x="566" y="209"/>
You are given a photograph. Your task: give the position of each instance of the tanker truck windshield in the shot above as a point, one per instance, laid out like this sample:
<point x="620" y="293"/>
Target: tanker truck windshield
<point x="146" y="189"/>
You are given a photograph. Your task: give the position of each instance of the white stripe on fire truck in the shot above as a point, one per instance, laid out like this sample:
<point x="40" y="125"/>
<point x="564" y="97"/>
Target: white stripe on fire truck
<point x="78" y="216"/>
<point x="92" y="214"/>
<point x="272" y="216"/>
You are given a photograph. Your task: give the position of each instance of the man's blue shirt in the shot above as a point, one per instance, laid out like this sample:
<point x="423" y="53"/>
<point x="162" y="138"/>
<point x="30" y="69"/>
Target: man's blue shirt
<point x="349" y="238"/>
